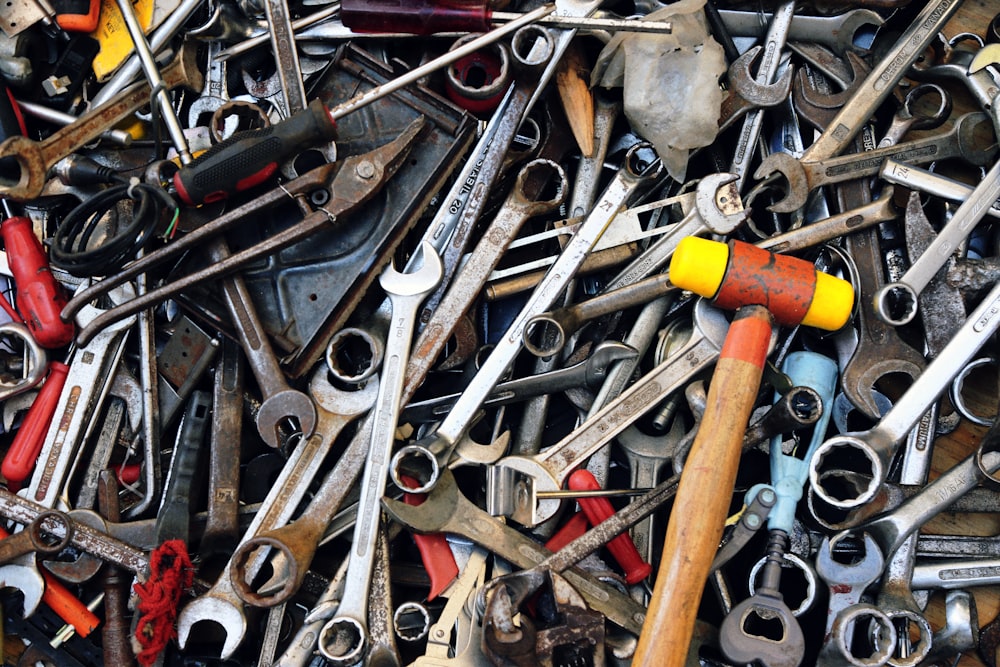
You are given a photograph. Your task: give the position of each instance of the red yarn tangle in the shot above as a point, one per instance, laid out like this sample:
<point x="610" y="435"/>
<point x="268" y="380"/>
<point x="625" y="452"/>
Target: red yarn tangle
<point x="170" y="574"/>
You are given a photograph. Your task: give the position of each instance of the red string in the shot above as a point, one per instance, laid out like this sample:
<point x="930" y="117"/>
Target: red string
<point x="170" y="574"/>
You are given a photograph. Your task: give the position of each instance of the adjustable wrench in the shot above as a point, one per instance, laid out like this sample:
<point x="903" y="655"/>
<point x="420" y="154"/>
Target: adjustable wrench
<point x="964" y="140"/>
<point x="221" y="604"/>
<point x="280" y="400"/>
<point x="513" y="482"/>
<point x="878" y="445"/>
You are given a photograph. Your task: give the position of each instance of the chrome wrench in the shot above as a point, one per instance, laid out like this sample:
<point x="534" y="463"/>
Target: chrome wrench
<point x="878" y="445"/>
<point x="512" y="484"/>
<point x="406" y="292"/>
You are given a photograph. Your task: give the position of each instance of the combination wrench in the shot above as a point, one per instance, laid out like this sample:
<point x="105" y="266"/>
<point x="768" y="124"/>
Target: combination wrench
<point x="875" y="447"/>
<point x="406" y="292"/>
<point x="896" y="303"/>
<point x="280" y="401"/>
<point x="221" y="604"/>
<point x="963" y="139"/>
<point x="513" y="483"/>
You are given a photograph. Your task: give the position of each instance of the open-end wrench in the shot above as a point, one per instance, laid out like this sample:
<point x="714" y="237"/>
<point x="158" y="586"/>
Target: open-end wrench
<point x="280" y="401"/>
<point x="837" y="32"/>
<point x="774" y="43"/>
<point x="36" y="158"/>
<point x="447" y="510"/>
<point x="964" y="139"/>
<point x="512" y="484"/>
<point x="746" y="93"/>
<point x="298" y="540"/>
<point x="336" y="409"/>
<point x="214" y="93"/>
<point x="878" y="444"/>
<point x="896" y="303"/>
<point x="406" y="292"/>
<point x="880" y="83"/>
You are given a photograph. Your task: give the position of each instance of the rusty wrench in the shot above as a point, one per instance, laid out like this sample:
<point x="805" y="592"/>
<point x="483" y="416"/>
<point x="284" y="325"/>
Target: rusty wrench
<point x="36" y="158"/>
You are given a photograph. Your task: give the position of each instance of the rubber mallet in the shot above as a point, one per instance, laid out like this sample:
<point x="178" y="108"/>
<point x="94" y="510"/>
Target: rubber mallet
<point x="764" y="288"/>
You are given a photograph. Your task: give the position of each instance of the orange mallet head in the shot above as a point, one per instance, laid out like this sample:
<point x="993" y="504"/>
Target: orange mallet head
<point x="738" y="274"/>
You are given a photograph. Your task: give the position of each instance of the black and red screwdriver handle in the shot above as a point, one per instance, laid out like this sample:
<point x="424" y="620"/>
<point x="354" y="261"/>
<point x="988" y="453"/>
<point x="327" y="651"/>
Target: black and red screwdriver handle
<point x="249" y="158"/>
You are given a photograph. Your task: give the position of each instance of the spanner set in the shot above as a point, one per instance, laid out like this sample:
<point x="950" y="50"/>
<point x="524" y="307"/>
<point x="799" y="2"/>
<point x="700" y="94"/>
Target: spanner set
<point x="440" y="333"/>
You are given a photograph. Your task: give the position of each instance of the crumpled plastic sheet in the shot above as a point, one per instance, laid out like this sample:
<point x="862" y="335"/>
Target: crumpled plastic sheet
<point x="671" y="87"/>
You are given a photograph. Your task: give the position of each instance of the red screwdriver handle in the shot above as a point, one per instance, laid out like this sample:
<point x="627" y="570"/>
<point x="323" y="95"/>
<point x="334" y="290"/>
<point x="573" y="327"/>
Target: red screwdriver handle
<point x="249" y="158"/>
<point x="40" y="298"/>
<point x="599" y="509"/>
<point x="27" y="444"/>
<point x="417" y="17"/>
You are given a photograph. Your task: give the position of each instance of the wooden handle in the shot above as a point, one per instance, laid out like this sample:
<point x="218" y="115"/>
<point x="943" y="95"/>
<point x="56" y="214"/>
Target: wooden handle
<point x="705" y="492"/>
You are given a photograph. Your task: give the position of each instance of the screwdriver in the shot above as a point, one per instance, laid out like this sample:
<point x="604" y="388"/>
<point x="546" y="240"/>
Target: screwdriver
<point x="427" y="17"/>
<point x="247" y="159"/>
<point x="40" y="298"/>
<point x="326" y="25"/>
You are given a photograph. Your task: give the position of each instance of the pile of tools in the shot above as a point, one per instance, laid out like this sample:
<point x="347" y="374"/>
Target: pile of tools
<point x="383" y="333"/>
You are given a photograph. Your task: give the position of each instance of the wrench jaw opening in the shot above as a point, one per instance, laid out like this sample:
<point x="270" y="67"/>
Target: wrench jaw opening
<point x="512" y="487"/>
<point x="797" y="193"/>
<point x="26" y="579"/>
<point x="896" y="303"/>
<point x="851" y="452"/>
<point x="221" y="612"/>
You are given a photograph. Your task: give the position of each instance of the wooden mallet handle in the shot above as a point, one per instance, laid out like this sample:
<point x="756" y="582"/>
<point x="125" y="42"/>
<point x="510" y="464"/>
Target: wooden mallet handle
<point x="765" y="288"/>
<point x="705" y="492"/>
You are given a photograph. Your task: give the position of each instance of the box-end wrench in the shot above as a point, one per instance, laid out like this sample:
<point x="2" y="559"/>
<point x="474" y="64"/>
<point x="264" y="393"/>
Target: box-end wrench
<point x="298" y="541"/>
<point x="916" y="178"/>
<point x="847" y="582"/>
<point x="964" y="139"/>
<point x="512" y="484"/>
<point x="280" y="401"/>
<point x="36" y="158"/>
<point x="406" y="292"/>
<point x="336" y="409"/>
<point x="877" y="445"/>
<point x="896" y="303"/>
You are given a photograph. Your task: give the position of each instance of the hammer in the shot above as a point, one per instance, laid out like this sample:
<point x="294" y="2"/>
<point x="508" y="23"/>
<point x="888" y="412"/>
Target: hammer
<point x="764" y="288"/>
